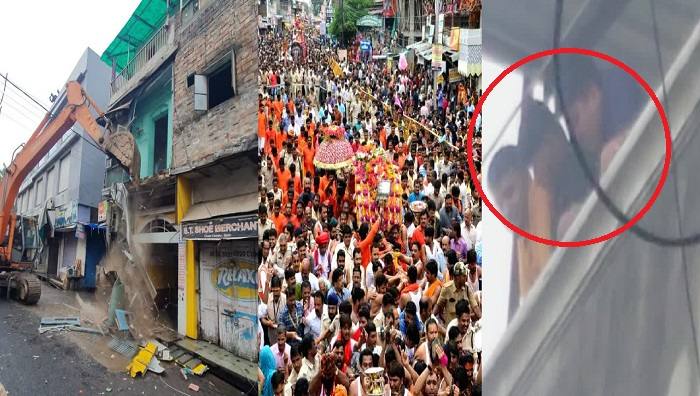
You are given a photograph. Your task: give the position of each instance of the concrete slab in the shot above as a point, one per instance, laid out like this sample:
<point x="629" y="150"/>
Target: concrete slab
<point x="216" y="356"/>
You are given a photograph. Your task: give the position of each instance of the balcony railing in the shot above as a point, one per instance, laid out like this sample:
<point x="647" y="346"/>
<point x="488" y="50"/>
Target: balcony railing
<point x="149" y="50"/>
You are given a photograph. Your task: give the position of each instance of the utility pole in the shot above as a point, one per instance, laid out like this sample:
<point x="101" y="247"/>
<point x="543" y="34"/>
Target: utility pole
<point x="436" y="41"/>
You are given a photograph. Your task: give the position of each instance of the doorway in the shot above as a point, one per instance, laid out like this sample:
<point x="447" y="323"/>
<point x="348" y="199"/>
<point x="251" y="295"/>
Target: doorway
<point x="54" y="251"/>
<point x="160" y="144"/>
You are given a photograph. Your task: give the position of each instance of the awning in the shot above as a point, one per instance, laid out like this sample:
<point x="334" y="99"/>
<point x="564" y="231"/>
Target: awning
<point x="470" y="61"/>
<point x="420" y="46"/>
<point x="229" y="218"/>
<point x="222" y="207"/>
<point x="148" y="17"/>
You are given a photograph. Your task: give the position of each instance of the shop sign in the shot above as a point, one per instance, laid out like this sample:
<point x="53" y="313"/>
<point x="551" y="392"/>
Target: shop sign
<point x="80" y="231"/>
<point x="66" y="216"/>
<point x="437" y="57"/>
<point x="102" y="211"/>
<point x="232" y="227"/>
<point x="235" y="279"/>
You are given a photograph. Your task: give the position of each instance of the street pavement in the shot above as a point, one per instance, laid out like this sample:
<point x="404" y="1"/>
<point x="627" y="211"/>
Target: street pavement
<point x="35" y="364"/>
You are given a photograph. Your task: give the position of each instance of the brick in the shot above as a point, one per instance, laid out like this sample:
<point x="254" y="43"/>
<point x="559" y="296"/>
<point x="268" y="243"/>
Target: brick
<point x="213" y="32"/>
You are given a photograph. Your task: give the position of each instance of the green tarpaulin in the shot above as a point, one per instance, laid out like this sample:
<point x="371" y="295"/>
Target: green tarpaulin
<point x="146" y="20"/>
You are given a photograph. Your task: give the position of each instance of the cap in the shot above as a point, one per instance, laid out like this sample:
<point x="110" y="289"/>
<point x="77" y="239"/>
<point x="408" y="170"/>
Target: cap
<point x="323" y="238"/>
<point x="332" y="300"/>
<point x="460" y="269"/>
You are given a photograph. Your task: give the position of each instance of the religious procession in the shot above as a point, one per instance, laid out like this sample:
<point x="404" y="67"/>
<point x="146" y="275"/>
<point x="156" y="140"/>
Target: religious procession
<point x="370" y="267"/>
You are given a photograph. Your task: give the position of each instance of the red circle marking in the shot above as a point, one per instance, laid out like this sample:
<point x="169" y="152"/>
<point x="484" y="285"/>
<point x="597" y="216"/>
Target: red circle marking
<point x="664" y="171"/>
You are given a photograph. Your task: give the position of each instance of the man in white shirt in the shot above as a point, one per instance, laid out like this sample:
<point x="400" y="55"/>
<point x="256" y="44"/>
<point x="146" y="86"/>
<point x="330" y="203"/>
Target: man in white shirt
<point x="305" y="274"/>
<point x="348" y="246"/>
<point x="312" y="321"/>
<point x="468" y="228"/>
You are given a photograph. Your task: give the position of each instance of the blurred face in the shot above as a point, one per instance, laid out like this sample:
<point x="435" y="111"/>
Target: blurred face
<point x="464" y="321"/>
<point x="357" y="259"/>
<point x="432" y="332"/>
<point x="339" y="355"/>
<point x="356" y="278"/>
<point x="345" y="333"/>
<point x="296" y="363"/>
<point x="347" y="238"/>
<point x="448" y="203"/>
<point x="395" y="383"/>
<point x="445" y="244"/>
<point x="366" y="362"/>
<point x="281" y="340"/>
<point x="278" y="208"/>
<point x="332" y="311"/>
<point x="323" y="248"/>
<point x="341" y="262"/>
<point x="276" y="292"/>
<point x="431" y="384"/>
<point x="415" y="251"/>
<point x="265" y="248"/>
<point x="288" y="208"/>
<point x="363" y="322"/>
<point x="460" y="280"/>
<point x="306" y="293"/>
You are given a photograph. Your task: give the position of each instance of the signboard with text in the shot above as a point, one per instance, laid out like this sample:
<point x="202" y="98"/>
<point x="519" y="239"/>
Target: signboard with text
<point x="231" y="227"/>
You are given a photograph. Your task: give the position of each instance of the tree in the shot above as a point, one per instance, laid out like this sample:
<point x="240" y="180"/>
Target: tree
<point x="345" y="17"/>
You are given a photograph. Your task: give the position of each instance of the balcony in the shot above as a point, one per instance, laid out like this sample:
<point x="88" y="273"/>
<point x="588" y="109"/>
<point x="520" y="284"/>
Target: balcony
<point x="148" y="59"/>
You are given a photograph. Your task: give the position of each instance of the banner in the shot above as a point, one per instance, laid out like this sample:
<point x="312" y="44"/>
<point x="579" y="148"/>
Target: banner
<point x="336" y="68"/>
<point x="437" y="57"/>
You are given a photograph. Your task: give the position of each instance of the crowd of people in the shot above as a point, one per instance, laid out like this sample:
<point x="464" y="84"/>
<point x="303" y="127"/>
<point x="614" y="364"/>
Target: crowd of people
<point x="345" y="304"/>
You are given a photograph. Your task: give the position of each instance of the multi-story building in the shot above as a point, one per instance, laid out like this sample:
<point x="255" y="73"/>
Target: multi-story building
<point x="64" y="190"/>
<point x="185" y="87"/>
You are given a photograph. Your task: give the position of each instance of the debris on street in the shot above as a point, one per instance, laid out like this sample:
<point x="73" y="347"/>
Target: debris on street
<point x="71" y="323"/>
<point x="124" y="347"/>
<point x="193" y="387"/>
<point x="139" y="364"/>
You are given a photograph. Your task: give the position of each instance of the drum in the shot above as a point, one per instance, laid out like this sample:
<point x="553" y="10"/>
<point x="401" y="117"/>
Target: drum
<point x="375" y="381"/>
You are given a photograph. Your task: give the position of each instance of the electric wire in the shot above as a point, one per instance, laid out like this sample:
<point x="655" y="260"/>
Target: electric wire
<point x="636" y="229"/>
<point x="51" y="115"/>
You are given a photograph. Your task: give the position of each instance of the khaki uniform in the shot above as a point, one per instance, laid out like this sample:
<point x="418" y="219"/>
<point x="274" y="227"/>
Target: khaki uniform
<point x="449" y="295"/>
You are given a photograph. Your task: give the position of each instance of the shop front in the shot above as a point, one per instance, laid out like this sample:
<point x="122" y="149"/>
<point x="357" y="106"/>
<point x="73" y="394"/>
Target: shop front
<point x="226" y="248"/>
<point x="217" y="213"/>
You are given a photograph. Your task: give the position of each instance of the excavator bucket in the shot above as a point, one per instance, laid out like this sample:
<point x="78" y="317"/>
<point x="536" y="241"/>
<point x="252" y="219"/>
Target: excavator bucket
<point x="123" y="147"/>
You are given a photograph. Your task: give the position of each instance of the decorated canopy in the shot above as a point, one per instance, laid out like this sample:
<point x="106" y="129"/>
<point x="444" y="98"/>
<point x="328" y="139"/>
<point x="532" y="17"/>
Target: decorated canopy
<point x="334" y="152"/>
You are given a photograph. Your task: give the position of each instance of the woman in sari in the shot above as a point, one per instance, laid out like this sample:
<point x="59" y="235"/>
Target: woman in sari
<point x="266" y="371"/>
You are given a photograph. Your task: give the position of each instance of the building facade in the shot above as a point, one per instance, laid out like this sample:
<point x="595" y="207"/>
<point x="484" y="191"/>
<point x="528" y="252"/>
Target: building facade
<point x="64" y="190"/>
<point x="187" y="92"/>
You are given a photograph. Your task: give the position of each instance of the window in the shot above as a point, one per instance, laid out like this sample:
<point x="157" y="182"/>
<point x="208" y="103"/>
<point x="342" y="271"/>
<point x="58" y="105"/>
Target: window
<point x="160" y="144"/>
<point x="40" y="191"/>
<point x="64" y="173"/>
<point x="30" y="194"/>
<point x="51" y="185"/>
<point x="216" y="87"/>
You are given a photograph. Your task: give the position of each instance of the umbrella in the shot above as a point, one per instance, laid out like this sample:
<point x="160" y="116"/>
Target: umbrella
<point x="403" y="63"/>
